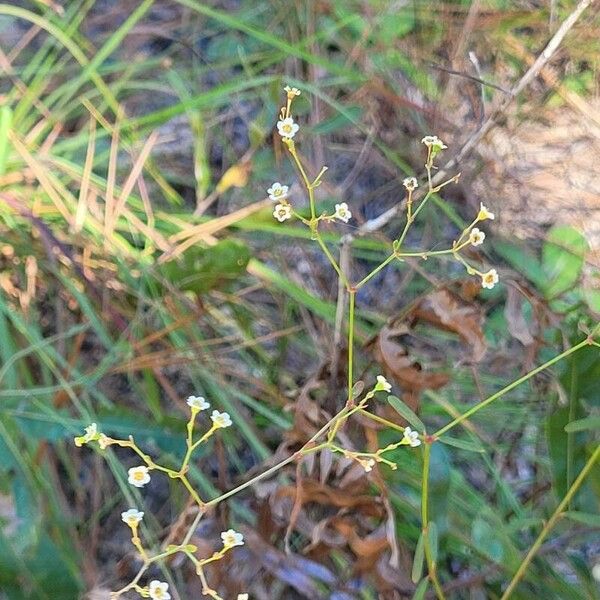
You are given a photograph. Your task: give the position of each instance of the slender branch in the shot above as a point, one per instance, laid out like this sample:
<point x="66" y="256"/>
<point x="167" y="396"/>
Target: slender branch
<point x="511" y="386"/>
<point x="550" y="524"/>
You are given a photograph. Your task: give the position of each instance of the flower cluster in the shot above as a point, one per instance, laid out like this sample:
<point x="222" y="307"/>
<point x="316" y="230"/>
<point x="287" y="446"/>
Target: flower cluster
<point x="287" y="129"/>
<point x="139" y="477"/>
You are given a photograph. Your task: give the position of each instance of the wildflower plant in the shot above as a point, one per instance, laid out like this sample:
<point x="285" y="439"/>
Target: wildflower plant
<point x="357" y="403"/>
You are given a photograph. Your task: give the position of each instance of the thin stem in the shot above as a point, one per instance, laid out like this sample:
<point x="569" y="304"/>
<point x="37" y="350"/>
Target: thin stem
<point x="332" y="260"/>
<point x="550" y="524"/>
<point x="510" y="387"/>
<point x="344" y="413"/>
<point x="376" y="270"/>
<point x="381" y="420"/>
<point x="307" y="183"/>
<point x="192" y="491"/>
<point x="352" y="296"/>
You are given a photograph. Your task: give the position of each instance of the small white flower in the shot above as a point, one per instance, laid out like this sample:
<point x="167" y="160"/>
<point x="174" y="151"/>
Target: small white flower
<point x="159" y="590"/>
<point x="287" y="128"/>
<point x="489" y="279"/>
<point x="278" y="191"/>
<point x="368" y="465"/>
<point x="138" y="476"/>
<point x="242" y="597"/>
<point x="197" y="403"/>
<point x="232" y="538"/>
<point x="342" y="212"/>
<point x="291" y="91"/>
<point x="484" y="213"/>
<point x="411" y="437"/>
<point x="596" y="572"/>
<point x="410" y="183"/>
<point x="282" y="212"/>
<point x="434" y="142"/>
<point x="91" y="433"/>
<point x="132" y="517"/>
<point x="383" y="385"/>
<point x="220" y="419"/>
<point x="476" y="237"/>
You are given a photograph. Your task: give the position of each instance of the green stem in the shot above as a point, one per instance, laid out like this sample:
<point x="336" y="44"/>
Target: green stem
<point x="332" y="260"/>
<point x="376" y="270"/>
<point x="381" y="420"/>
<point x="550" y="524"/>
<point x="510" y="387"/>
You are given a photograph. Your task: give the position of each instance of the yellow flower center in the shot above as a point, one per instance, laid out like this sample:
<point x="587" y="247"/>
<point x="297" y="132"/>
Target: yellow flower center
<point x="138" y="475"/>
<point x="287" y="128"/>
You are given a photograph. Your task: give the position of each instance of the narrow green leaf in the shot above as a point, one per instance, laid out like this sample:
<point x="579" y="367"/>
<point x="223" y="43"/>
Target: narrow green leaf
<point x="583" y="424"/>
<point x="406" y="413"/>
<point x="5" y="122"/>
<point x="417" y="567"/>
<point x="462" y="444"/>
<point x="432" y="533"/>
<point x="589" y="519"/>
<point x="421" y="589"/>
<point x="562" y="259"/>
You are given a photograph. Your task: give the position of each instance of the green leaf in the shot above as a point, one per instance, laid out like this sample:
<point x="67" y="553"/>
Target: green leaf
<point x="462" y="444"/>
<point x="421" y="589"/>
<point x="583" y="424"/>
<point x="406" y="413"/>
<point x="562" y="259"/>
<point x="201" y="269"/>
<point x="417" y="567"/>
<point x="433" y="536"/>
<point x="5" y="123"/>
<point x="485" y="539"/>
<point x="338" y="121"/>
<point x="590" y="519"/>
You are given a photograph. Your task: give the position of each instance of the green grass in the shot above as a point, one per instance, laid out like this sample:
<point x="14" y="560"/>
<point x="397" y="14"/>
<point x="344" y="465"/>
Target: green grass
<point x="111" y="336"/>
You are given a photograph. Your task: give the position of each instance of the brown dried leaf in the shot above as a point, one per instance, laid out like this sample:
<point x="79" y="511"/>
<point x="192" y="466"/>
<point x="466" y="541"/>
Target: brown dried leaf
<point x="513" y="311"/>
<point x="448" y="311"/>
<point x="393" y="356"/>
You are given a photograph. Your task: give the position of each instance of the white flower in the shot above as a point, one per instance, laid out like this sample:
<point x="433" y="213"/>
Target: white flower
<point x="232" y="538"/>
<point x="368" y="465"/>
<point x="342" y="212"/>
<point x="484" y="213"/>
<point x="596" y="572"/>
<point x="411" y="437"/>
<point x="132" y="517"/>
<point x="278" y="191"/>
<point x="282" y="212"/>
<point x="287" y="128"/>
<point x="197" y="403"/>
<point x="159" y="590"/>
<point x="383" y="385"/>
<point x="242" y="597"/>
<point x="138" y="476"/>
<point x="220" y="419"/>
<point x="291" y="91"/>
<point x="489" y="279"/>
<point x="476" y="237"/>
<point x="410" y="183"/>
<point x="434" y="142"/>
<point x="91" y="433"/>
